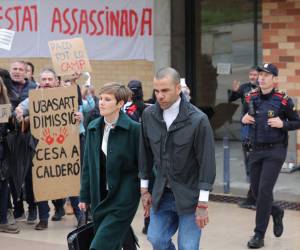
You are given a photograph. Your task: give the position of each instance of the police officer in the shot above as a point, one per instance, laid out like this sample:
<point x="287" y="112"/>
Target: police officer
<point x="239" y="92"/>
<point x="272" y="115"/>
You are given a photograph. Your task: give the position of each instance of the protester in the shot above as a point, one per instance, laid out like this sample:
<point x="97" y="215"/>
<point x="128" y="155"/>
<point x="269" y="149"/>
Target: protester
<point x="271" y="114"/>
<point x="48" y="79"/>
<point x="178" y="142"/>
<point x="239" y="92"/>
<point x="18" y="91"/>
<point x="109" y="183"/>
<point x="5" y="226"/>
<point x="30" y="72"/>
<point x="135" y="107"/>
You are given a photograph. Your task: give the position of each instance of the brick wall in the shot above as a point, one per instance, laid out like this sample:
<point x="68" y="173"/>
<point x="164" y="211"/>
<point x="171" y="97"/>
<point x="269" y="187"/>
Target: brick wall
<point x="281" y="45"/>
<point x="105" y="71"/>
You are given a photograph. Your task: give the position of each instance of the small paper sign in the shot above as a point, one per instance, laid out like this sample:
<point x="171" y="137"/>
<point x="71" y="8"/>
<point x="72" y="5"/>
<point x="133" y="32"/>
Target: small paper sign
<point x="223" y="68"/>
<point x="5" y="112"/>
<point x="6" y="38"/>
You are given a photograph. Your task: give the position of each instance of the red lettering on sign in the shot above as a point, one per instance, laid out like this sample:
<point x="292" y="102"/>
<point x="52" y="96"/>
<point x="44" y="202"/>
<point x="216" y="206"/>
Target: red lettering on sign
<point x="35" y="17"/>
<point x="17" y="8"/>
<point x="83" y="21"/>
<point x="9" y="19"/>
<point x="146" y="21"/>
<point x="94" y="30"/>
<point x="133" y="22"/>
<point x="114" y="23"/>
<point x="75" y="66"/>
<point x="74" y="20"/>
<point x="124" y="23"/>
<point x="56" y="19"/>
<point x="100" y="13"/>
<point x="65" y="18"/>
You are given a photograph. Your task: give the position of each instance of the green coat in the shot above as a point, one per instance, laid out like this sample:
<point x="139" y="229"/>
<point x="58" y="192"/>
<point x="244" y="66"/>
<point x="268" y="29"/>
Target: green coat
<point x="112" y="216"/>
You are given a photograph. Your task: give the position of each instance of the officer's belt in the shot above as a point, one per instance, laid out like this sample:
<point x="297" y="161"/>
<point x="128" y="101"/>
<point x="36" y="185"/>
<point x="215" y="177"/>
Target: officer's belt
<point x="268" y="145"/>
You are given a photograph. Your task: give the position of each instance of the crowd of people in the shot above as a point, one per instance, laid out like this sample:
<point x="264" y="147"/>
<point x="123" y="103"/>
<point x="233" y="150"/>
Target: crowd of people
<point x="161" y="151"/>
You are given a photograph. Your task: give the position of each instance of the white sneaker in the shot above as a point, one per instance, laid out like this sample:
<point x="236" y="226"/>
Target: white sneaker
<point x="21" y="218"/>
<point x="10" y="217"/>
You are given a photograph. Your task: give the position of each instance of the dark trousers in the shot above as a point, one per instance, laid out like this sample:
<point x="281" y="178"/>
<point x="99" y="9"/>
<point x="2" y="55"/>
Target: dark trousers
<point x="3" y="201"/>
<point x="27" y="195"/>
<point x="44" y="210"/>
<point x="250" y="197"/>
<point x="59" y="205"/>
<point x="265" y="166"/>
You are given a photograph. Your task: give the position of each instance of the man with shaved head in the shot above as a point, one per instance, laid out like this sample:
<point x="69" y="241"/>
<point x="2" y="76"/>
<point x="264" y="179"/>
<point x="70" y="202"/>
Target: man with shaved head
<point x="177" y="141"/>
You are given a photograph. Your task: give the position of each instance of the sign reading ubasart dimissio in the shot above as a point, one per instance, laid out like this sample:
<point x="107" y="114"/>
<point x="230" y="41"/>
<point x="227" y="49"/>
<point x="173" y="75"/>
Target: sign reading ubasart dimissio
<point x="111" y="29"/>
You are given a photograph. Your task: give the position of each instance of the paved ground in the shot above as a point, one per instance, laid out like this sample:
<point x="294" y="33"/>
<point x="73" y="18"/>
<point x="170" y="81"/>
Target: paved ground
<point x="286" y="188"/>
<point x="230" y="228"/>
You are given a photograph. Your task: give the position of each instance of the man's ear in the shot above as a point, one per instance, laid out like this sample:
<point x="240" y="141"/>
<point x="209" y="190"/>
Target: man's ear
<point x="178" y="88"/>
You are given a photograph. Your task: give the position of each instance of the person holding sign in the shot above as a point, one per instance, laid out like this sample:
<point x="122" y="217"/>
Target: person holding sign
<point x="18" y="91"/>
<point x="109" y="182"/>
<point x="48" y="79"/>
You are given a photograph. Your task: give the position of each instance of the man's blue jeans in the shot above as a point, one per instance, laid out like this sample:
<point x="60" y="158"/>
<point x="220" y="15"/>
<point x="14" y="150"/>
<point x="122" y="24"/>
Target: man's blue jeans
<point x="165" y="222"/>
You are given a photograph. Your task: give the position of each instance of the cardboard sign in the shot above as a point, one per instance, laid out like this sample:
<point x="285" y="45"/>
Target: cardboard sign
<point x="69" y="56"/>
<point x="5" y="112"/>
<point x="56" y="164"/>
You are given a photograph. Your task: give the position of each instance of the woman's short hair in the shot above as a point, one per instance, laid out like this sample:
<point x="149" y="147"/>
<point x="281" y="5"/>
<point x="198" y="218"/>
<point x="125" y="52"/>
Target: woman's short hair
<point x="120" y="91"/>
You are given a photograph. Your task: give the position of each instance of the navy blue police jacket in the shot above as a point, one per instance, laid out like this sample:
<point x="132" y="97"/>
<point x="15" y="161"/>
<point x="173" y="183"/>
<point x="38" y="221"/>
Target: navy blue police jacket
<point x="274" y="104"/>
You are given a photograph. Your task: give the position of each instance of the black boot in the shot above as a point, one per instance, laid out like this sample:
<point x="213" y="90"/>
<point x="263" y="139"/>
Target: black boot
<point x="256" y="242"/>
<point x="146" y="225"/>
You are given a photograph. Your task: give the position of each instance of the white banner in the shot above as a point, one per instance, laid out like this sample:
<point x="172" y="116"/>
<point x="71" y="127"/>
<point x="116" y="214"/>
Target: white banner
<point x="111" y="29"/>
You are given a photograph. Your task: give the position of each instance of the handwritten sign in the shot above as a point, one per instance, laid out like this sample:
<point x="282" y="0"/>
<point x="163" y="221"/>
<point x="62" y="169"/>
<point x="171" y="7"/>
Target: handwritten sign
<point x="69" y="56"/>
<point x="56" y="164"/>
<point x="5" y="112"/>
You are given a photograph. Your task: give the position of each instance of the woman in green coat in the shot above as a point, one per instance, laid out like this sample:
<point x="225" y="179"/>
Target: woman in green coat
<point x="109" y="182"/>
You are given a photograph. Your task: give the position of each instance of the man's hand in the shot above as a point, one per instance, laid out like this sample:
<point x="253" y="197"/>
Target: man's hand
<point x="248" y="119"/>
<point x="202" y="214"/>
<point x="19" y="113"/>
<point x="78" y="116"/>
<point x="275" y="122"/>
<point x="75" y="77"/>
<point x="146" y="201"/>
<point x="235" y="85"/>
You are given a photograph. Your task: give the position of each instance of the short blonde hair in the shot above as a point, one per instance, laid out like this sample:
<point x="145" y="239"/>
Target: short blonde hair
<point x="120" y="91"/>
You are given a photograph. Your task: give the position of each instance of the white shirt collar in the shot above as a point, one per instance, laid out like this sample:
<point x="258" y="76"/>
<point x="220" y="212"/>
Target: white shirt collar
<point x="174" y="107"/>
<point x="171" y="113"/>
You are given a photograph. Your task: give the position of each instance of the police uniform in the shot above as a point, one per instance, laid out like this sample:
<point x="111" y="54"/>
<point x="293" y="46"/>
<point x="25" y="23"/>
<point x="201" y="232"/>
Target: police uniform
<point x="268" y="152"/>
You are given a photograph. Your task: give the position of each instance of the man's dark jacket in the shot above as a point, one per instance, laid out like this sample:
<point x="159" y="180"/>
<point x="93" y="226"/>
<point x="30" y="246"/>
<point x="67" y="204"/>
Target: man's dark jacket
<point x="17" y="95"/>
<point x="183" y="156"/>
<point x="244" y="89"/>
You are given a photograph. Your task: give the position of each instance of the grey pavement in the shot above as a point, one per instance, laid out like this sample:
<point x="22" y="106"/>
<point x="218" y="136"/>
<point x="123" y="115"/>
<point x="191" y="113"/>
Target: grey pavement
<point x="230" y="228"/>
<point x="287" y="187"/>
